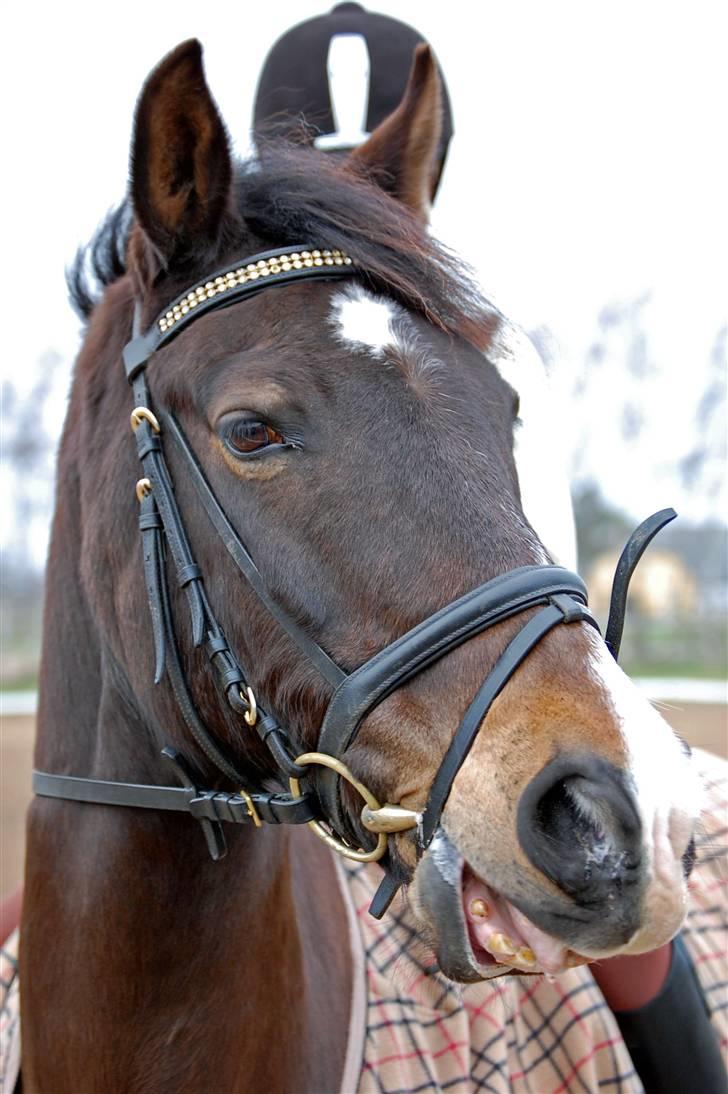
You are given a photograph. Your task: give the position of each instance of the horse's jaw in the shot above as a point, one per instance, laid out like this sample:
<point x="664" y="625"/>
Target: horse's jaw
<point x="479" y="934"/>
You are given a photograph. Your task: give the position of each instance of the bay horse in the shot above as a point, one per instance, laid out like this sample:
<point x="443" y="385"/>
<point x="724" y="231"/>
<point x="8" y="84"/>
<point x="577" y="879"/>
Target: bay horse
<point x="317" y="402"/>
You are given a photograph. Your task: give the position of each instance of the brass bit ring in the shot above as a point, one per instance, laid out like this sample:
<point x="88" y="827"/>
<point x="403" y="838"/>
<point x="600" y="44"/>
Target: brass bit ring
<point x="332" y="841"/>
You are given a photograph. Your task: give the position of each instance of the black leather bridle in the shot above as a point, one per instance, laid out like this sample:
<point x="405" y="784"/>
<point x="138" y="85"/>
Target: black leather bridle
<point x="559" y="594"/>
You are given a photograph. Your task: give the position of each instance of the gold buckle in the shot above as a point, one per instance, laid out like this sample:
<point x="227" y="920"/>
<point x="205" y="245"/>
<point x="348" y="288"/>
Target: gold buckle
<point x="252" y="811"/>
<point x="341" y="848"/>
<point x="143" y="414"/>
<point x="143" y="489"/>
<point x="251" y="714"/>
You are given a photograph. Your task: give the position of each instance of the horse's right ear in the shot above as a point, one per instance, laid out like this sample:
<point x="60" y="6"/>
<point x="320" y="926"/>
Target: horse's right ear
<point x="180" y="165"/>
<point x="402" y="154"/>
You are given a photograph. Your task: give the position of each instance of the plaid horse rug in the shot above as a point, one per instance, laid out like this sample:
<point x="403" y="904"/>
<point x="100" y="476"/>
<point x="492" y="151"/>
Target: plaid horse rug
<point x="529" y="1035"/>
<point x="414" y="1031"/>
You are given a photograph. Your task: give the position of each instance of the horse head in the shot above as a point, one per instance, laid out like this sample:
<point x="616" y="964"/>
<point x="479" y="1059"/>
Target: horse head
<point x="358" y="436"/>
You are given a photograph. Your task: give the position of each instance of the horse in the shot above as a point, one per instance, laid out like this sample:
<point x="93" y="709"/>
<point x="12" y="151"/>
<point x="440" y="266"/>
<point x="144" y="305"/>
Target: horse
<point x="317" y="401"/>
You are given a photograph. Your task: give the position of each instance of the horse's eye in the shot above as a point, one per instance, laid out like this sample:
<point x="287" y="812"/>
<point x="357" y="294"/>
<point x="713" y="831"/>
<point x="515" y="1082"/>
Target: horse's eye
<point x="246" y="436"/>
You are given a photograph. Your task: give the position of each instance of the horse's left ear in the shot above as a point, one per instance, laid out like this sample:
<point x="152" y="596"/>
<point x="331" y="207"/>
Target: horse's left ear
<point x="181" y="167"/>
<point x="402" y="153"/>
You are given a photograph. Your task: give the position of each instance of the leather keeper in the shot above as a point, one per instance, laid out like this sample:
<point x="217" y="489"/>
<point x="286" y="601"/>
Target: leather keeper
<point x="149" y="520"/>
<point x="266" y="725"/>
<point x="232" y="677"/>
<point x="188" y="573"/>
<point x="147" y="442"/>
<point x="271" y="808"/>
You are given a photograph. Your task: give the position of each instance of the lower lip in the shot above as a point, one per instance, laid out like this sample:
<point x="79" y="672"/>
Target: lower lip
<point x="524" y="947"/>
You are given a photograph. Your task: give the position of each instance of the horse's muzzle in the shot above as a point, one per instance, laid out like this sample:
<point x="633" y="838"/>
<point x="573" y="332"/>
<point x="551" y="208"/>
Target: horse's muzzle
<point x="585" y="840"/>
<point x="579" y="825"/>
<point x="444" y="885"/>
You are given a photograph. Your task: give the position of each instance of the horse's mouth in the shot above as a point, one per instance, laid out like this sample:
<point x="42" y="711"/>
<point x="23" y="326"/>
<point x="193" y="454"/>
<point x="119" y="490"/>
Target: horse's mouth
<point x="479" y="934"/>
<point x="500" y="935"/>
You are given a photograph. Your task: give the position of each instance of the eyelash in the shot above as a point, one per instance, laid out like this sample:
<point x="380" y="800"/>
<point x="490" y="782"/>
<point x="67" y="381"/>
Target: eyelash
<point x="261" y="437"/>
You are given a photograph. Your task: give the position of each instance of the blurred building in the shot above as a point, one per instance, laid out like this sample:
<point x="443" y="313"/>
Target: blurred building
<point x="662" y="586"/>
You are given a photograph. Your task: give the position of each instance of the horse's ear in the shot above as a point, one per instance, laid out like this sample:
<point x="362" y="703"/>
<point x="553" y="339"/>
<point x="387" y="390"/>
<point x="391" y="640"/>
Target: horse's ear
<point x="180" y="167"/>
<point x="402" y="153"/>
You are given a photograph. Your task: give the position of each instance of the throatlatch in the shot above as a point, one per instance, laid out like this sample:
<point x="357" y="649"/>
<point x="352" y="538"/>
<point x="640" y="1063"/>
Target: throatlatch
<point x="313" y="777"/>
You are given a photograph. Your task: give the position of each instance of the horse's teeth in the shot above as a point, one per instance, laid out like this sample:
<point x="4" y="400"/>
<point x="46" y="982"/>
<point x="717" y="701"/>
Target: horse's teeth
<point x="524" y="959"/>
<point x="479" y="909"/>
<point x="501" y="944"/>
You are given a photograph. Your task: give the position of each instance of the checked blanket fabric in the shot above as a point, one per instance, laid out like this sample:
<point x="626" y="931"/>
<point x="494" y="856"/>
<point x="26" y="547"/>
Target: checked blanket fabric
<point x="522" y="1035"/>
<point x="528" y="1035"/>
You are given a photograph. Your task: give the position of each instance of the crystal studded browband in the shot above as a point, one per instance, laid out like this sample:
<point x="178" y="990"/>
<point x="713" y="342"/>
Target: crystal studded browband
<point x="282" y="266"/>
<point x="282" y="262"/>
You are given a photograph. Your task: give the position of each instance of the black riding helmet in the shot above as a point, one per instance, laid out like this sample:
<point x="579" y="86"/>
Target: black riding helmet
<point x="299" y="89"/>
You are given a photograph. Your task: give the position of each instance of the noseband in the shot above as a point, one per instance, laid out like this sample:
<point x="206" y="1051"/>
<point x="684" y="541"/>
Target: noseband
<point x="313" y="777"/>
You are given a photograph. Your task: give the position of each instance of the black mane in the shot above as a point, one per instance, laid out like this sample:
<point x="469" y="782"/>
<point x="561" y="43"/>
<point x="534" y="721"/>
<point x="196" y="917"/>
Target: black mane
<point x="101" y="262"/>
<point x="294" y="195"/>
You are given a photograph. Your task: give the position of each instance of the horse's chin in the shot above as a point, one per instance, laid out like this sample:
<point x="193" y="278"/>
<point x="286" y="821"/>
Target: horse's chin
<point x="476" y="932"/>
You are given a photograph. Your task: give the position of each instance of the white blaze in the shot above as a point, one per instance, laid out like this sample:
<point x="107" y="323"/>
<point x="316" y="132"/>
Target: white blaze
<point x="657" y="761"/>
<point x="539" y="444"/>
<point x="363" y="320"/>
<point x="668" y="794"/>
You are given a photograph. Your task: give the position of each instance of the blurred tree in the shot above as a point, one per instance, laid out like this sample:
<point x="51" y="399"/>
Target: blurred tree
<point x="27" y="461"/>
<point x="600" y="526"/>
<point x="27" y="455"/>
<point x="704" y="466"/>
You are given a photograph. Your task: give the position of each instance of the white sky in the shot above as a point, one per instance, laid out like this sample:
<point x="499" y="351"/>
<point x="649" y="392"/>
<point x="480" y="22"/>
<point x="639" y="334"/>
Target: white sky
<point x="590" y="164"/>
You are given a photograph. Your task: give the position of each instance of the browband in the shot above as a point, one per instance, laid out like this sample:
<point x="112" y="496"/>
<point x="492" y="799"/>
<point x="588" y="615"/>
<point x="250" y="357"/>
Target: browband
<point x="227" y="286"/>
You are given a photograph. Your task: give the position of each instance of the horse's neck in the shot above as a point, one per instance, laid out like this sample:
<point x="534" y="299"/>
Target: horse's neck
<point x="179" y="973"/>
<point x="87" y="715"/>
<point x="75" y="673"/>
<point x="71" y="671"/>
<point x="200" y="971"/>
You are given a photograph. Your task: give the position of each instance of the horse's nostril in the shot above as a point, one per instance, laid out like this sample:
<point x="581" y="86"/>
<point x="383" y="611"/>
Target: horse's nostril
<point x="567" y="812"/>
<point x="578" y="824"/>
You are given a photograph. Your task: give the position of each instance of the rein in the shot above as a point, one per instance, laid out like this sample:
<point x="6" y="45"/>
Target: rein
<point x="560" y="595"/>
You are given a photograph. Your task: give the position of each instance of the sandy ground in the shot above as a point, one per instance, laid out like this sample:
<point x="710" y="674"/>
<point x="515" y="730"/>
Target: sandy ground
<point x="704" y="725"/>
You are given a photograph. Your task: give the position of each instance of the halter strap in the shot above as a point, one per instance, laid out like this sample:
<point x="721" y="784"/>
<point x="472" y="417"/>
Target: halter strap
<point x="159" y="510"/>
<point x="561" y="609"/>
<point x="240" y="556"/>
<point x="211" y="805"/>
<point x="364" y="689"/>
<point x="476" y="611"/>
